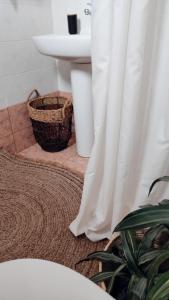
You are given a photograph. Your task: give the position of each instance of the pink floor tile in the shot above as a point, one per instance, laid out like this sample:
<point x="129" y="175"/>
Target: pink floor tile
<point x="24" y="139"/>
<point x="67" y="157"/>
<point x="36" y="152"/>
<point x="5" y="125"/>
<point x="77" y="163"/>
<point x="65" y="94"/>
<point x="8" y="144"/>
<point x="19" y="117"/>
<point x="53" y="94"/>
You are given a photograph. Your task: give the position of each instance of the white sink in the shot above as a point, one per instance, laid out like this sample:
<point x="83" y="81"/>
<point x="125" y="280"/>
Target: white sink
<point x="74" y="48"/>
<point x="77" y="50"/>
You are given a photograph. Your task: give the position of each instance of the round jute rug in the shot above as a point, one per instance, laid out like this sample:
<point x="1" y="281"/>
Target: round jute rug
<point x="38" y="201"/>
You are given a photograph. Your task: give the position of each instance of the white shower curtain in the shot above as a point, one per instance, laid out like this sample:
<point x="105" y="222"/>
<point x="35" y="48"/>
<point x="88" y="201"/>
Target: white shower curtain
<point x="130" y="55"/>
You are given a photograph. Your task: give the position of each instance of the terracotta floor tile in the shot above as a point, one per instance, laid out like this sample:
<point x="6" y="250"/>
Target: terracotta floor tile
<point x="24" y="139"/>
<point x="32" y="151"/>
<point x="67" y="95"/>
<point x="77" y="163"/>
<point x="68" y="152"/>
<point x="36" y="152"/>
<point x="53" y="94"/>
<point x="5" y="125"/>
<point x="8" y="144"/>
<point x="67" y="157"/>
<point x="19" y="117"/>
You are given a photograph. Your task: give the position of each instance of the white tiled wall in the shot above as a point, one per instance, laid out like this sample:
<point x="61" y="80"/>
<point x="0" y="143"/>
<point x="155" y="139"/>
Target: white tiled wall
<point x="22" y="68"/>
<point x="59" y="13"/>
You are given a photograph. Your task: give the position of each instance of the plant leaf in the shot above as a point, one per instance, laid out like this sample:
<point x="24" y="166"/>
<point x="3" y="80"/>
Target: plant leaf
<point x="117" y="272"/>
<point x="101" y="276"/>
<point x="146" y="205"/>
<point x="160" y="290"/>
<point x="148" y="256"/>
<point x="152" y="269"/>
<point x="102" y="256"/>
<point x="133" y="280"/>
<point x="130" y="250"/>
<point x="166" y="246"/>
<point x="145" y="217"/>
<point x="164" y="178"/>
<point x="139" y="290"/>
<point x="150" y="236"/>
<point x="164" y="202"/>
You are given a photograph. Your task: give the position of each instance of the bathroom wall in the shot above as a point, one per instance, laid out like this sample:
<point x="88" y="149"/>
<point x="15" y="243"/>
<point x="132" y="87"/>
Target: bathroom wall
<point x="60" y="9"/>
<point x="22" y="68"/>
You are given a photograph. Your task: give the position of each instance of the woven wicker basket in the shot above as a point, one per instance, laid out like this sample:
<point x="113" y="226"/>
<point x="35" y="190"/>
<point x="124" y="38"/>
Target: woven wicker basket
<point x="51" y="119"/>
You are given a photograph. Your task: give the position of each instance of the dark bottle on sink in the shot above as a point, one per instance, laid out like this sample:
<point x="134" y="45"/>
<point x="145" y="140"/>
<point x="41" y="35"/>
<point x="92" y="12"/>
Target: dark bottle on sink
<point x="72" y="24"/>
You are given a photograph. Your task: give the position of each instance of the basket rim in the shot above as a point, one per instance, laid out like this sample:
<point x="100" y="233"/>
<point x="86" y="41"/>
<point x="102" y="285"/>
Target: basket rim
<point x="68" y="100"/>
<point x="49" y="114"/>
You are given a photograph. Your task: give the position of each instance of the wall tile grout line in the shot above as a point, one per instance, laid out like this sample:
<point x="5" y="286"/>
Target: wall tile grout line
<point x="28" y="72"/>
<point x="11" y="129"/>
<point x="13" y="41"/>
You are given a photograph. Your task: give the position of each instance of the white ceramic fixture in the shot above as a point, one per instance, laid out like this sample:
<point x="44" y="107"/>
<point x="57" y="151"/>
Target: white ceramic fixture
<point x="75" y="47"/>
<point x="77" y="50"/>
<point x="33" y="279"/>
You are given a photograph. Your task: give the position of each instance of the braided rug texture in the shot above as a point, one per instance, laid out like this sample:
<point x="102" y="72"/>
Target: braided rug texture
<point x="38" y="201"/>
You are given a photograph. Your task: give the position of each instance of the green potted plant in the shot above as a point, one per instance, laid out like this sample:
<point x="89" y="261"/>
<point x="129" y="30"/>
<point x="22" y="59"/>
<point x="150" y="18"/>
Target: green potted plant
<point x="135" y="264"/>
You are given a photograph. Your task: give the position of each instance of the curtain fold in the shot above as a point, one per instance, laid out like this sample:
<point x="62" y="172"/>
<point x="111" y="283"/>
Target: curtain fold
<point x="130" y="60"/>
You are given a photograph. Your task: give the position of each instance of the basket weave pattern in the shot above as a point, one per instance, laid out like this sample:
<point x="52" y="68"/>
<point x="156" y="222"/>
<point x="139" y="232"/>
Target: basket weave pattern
<point x="36" y="111"/>
<point x="51" y="119"/>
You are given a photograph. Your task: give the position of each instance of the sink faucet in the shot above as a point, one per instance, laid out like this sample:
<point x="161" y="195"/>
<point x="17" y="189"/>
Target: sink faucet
<point x="88" y="10"/>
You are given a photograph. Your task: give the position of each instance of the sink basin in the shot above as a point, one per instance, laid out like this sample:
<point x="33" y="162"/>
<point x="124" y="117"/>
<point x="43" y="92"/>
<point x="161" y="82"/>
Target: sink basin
<point x="73" y="48"/>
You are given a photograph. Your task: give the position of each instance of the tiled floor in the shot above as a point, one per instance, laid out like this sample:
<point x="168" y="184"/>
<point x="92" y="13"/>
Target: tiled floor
<point x="68" y="157"/>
